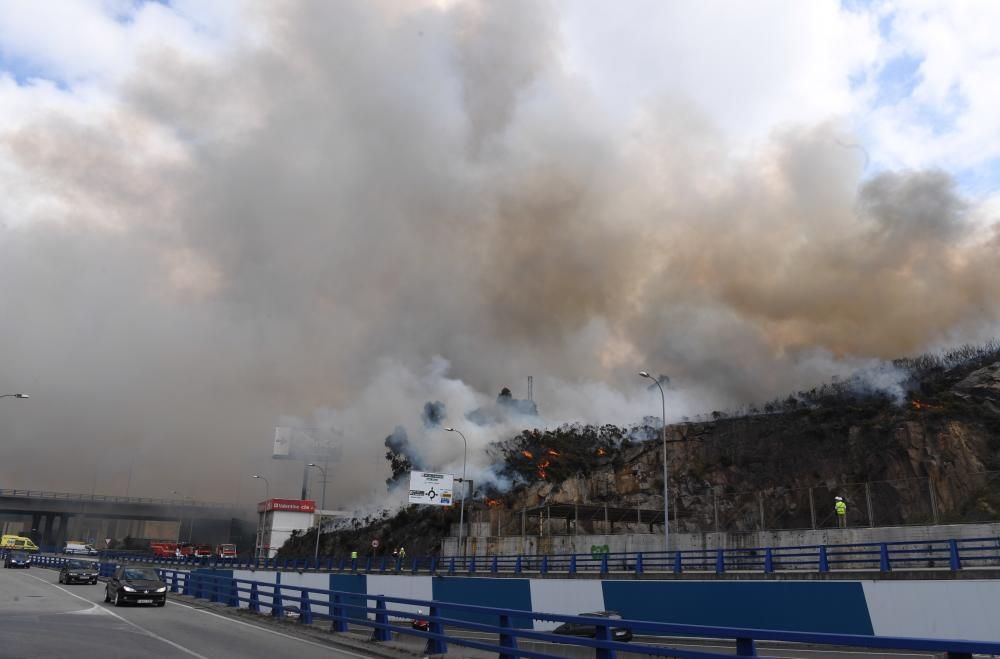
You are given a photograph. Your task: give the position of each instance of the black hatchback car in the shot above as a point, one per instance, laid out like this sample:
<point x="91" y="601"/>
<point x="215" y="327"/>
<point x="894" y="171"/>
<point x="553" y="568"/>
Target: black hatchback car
<point x="590" y="631"/>
<point x="135" y="585"/>
<point x="74" y="571"/>
<point x="17" y="559"/>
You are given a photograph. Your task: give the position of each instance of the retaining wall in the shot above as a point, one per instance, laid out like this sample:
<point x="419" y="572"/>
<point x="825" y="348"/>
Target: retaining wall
<point x="949" y="609"/>
<point x="646" y="542"/>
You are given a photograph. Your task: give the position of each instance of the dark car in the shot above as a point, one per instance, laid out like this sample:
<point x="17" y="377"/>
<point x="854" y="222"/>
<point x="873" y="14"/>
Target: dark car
<point x="17" y="559"/>
<point x="135" y="585"/>
<point x="590" y="631"/>
<point x="421" y="623"/>
<point x="75" y="571"/>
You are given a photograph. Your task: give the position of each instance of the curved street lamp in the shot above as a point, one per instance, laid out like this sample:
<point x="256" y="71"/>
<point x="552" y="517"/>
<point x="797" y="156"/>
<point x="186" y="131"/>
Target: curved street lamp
<point x="15" y="396"/>
<point x="461" y="514"/>
<point x="666" y="500"/>
<point x="319" y="522"/>
<point x="267" y="485"/>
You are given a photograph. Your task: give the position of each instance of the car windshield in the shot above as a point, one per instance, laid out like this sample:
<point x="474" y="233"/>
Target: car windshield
<point x="144" y="573"/>
<point x="79" y="565"/>
<point x="19" y="555"/>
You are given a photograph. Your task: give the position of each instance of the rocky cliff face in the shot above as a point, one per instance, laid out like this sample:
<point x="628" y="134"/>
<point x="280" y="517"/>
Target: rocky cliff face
<point x="925" y="458"/>
<point x="896" y="462"/>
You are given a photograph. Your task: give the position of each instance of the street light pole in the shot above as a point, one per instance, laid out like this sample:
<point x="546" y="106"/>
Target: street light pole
<point x="259" y="549"/>
<point x="461" y="514"/>
<point x="267" y="486"/>
<point x="15" y="396"/>
<point x="319" y="522"/>
<point x="666" y="496"/>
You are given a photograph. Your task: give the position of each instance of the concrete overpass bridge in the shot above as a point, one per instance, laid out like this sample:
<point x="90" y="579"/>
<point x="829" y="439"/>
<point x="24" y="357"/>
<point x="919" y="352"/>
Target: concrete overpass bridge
<point x="58" y="516"/>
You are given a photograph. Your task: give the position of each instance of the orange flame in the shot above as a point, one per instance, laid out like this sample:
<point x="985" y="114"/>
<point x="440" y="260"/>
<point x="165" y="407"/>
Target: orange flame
<point x="542" y="466"/>
<point x="553" y="452"/>
<point x="601" y="451"/>
<point x="918" y="405"/>
<point x="494" y="503"/>
<point x="527" y="454"/>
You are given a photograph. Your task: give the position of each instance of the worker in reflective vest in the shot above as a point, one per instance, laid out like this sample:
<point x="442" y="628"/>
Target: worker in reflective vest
<point x="840" y="507"/>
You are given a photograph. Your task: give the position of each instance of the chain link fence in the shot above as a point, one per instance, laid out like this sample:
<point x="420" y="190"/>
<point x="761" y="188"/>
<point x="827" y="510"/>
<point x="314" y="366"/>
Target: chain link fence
<point x="902" y="502"/>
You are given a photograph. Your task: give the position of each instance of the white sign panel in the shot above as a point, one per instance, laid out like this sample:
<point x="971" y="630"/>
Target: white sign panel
<point x="431" y="489"/>
<point x="282" y="442"/>
<point x="319" y="444"/>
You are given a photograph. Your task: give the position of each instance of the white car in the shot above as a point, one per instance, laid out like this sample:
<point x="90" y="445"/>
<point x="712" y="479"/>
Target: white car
<point x="79" y="548"/>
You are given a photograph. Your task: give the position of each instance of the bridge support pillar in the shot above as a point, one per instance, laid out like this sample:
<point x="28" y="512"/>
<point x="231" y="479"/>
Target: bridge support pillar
<point x="61" y="534"/>
<point x="48" y="521"/>
<point x="36" y="528"/>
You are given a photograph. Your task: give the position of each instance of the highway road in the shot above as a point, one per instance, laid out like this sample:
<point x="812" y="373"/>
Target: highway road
<point x="41" y="618"/>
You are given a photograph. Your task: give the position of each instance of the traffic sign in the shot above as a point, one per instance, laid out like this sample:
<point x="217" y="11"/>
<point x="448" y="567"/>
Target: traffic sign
<point x="431" y="489"/>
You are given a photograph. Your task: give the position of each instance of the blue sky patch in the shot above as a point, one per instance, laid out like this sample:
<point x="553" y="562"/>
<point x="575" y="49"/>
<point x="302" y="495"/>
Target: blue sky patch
<point x="897" y="79"/>
<point x="25" y="71"/>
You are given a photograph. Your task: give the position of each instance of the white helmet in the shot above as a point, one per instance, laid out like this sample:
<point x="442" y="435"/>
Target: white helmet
<point x="838" y="498"/>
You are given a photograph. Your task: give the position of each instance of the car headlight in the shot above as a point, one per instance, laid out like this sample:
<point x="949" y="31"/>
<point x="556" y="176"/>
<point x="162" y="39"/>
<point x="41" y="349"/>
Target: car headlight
<point x="128" y="589"/>
<point x="162" y="589"/>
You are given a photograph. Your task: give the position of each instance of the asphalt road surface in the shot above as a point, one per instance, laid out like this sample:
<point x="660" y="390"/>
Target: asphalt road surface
<point x="41" y="618"/>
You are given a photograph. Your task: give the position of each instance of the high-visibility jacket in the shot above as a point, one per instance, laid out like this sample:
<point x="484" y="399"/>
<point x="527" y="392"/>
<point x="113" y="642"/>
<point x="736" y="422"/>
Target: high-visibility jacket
<point x="354" y="555"/>
<point x="840" y="507"/>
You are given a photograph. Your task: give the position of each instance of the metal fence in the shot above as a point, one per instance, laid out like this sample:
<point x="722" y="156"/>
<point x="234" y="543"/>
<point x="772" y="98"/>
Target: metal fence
<point x="923" y="555"/>
<point x="703" y="509"/>
<point x="75" y="496"/>
<point x="503" y="631"/>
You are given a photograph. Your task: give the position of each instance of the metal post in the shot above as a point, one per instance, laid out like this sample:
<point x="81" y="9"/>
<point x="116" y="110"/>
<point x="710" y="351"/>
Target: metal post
<point x="666" y="496"/>
<point x="606" y="518"/>
<point x="868" y="496"/>
<point x="812" y="508"/>
<point x="305" y="479"/>
<point x="760" y="502"/>
<point x="715" y="506"/>
<point x="934" y="510"/>
<point x="576" y="520"/>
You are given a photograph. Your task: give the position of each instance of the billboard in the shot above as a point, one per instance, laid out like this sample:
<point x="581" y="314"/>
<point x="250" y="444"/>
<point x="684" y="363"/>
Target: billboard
<point x="312" y="444"/>
<point x="289" y="505"/>
<point x="431" y="489"/>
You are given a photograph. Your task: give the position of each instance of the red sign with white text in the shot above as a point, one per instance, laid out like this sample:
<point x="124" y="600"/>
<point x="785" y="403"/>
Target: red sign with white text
<point x="289" y="505"/>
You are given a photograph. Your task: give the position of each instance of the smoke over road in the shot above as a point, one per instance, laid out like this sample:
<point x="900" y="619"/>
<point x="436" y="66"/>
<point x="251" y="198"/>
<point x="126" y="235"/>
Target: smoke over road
<point x="366" y="207"/>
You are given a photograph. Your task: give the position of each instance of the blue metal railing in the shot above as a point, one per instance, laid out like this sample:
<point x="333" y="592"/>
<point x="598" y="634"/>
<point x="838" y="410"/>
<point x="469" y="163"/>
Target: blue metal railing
<point x="947" y="555"/>
<point x="448" y="621"/>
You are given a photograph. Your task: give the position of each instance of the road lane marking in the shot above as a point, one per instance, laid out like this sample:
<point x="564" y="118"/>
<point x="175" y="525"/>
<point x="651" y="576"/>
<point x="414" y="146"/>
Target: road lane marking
<point x="269" y="631"/>
<point x="126" y="621"/>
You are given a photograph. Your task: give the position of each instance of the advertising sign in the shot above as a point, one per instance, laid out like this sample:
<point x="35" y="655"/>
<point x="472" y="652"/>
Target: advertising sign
<point x="290" y="505"/>
<point x="313" y="444"/>
<point x="431" y="489"/>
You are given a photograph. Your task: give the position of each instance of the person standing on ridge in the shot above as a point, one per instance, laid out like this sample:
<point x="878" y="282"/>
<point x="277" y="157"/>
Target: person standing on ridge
<point x="840" y="507"/>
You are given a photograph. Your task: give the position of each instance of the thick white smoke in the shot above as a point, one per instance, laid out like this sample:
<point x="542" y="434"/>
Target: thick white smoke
<point x="362" y="207"/>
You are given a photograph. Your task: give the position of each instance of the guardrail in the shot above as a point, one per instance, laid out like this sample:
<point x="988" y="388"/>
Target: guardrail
<point x="446" y="621"/>
<point x="44" y="494"/>
<point x="943" y="555"/>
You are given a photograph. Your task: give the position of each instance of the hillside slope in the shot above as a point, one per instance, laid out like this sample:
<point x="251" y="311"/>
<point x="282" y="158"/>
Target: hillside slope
<point x="925" y="455"/>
